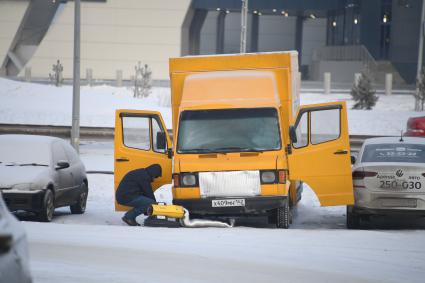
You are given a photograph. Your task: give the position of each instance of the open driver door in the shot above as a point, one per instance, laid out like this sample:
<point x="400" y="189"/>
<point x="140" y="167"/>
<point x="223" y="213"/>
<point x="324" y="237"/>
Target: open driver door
<point x="141" y="139"/>
<point x="319" y="153"/>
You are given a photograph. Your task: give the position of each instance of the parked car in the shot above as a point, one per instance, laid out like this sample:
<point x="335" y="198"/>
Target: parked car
<point x="416" y="127"/>
<point x="39" y="173"/>
<point x="14" y="259"/>
<point x="388" y="178"/>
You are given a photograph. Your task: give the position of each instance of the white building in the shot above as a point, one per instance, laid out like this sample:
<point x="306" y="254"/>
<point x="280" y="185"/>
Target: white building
<point x="115" y="35"/>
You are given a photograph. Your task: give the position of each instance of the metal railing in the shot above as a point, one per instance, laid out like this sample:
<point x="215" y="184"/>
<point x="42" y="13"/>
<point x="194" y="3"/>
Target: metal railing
<point x="107" y="133"/>
<point x="346" y="53"/>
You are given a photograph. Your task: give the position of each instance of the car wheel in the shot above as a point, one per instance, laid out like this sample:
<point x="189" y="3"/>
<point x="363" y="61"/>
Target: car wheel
<point x="353" y="220"/>
<point x="80" y="206"/>
<point x="48" y="207"/>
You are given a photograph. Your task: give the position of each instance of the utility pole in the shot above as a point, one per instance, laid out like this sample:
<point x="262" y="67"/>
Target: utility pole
<point x="420" y="53"/>
<point x="75" y="131"/>
<point x="244" y="25"/>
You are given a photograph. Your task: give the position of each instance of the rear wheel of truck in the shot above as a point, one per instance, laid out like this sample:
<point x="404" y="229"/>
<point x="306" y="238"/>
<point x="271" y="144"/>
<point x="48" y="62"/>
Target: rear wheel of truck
<point x="353" y="220"/>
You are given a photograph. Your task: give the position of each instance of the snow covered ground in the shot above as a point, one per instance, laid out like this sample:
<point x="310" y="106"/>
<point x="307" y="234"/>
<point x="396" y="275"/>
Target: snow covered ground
<point x="98" y="247"/>
<point x="30" y="103"/>
<point x="81" y="253"/>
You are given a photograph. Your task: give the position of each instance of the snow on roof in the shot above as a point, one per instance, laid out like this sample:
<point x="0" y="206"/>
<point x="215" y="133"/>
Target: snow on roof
<point x="414" y="140"/>
<point x="292" y="52"/>
<point x="27" y="138"/>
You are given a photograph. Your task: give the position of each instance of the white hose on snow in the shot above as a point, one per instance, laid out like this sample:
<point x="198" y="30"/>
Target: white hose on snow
<point x="195" y="223"/>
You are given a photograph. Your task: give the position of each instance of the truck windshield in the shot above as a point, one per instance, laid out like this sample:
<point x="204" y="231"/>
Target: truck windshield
<point x="228" y="130"/>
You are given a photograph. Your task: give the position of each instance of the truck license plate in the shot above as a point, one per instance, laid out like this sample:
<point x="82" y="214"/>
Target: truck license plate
<point x="228" y="202"/>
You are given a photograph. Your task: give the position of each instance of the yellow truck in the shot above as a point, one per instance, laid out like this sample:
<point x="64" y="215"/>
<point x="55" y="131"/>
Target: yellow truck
<point x="242" y="143"/>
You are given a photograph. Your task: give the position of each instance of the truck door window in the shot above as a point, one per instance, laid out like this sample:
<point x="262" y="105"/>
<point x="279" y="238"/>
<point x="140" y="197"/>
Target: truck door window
<point x="302" y="132"/>
<point x="136" y="132"/>
<point x="325" y="125"/>
<point x="155" y="130"/>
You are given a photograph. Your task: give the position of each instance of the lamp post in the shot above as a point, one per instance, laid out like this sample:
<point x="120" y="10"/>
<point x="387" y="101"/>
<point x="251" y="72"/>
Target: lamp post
<point x="420" y="53"/>
<point x="244" y="24"/>
<point x="75" y="131"/>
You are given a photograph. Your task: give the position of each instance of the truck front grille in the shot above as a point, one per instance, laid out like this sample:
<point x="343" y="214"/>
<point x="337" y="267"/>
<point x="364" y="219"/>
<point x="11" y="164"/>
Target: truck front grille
<point x="230" y="184"/>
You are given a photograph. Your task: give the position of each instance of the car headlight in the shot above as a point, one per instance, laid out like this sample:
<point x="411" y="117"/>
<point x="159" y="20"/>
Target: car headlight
<point x="268" y="177"/>
<point x="188" y="180"/>
<point x="26" y="187"/>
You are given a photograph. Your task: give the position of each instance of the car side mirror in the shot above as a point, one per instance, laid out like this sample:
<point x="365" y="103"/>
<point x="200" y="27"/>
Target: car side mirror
<point x="353" y="159"/>
<point x="293" y="134"/>
<point x="161" y="140"/>
<point x="6" y="242"/>
<point x="61" y="165"/>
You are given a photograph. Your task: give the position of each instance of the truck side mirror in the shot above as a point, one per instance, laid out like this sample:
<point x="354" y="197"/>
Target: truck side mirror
<point x="170" y="153"/>
<point x="161" y="141"/>
<point x="353" y="159"/>
<point x="293" y="134"/>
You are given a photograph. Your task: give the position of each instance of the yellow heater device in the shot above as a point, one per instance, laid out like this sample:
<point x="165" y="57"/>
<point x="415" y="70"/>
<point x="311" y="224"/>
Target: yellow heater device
<point x="170" y="211"/>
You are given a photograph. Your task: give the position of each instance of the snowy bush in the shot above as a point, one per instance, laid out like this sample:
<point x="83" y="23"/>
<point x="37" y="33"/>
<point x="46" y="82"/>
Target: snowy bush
<point x="363" y="94"/>
<point x="56" y="77"/>
<point x="142" y="81"/>
<point x="420" y="94"/>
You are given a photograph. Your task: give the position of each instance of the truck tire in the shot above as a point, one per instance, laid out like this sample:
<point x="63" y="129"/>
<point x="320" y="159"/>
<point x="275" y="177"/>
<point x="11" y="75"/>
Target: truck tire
<point x="48" y="207"/>
<point x="283" y="217"/>
<point x="80" y="206"/>
<point x="353" y="220"/>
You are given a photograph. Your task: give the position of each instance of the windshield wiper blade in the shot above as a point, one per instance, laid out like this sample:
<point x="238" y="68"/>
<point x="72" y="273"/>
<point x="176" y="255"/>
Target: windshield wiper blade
<point x="33" y="164"/>
<point x="196" y="150"/>
<point x="242" y="149"/>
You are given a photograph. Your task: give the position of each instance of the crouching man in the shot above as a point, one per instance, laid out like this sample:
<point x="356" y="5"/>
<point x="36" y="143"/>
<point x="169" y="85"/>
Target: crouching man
<point x="135" y="190"/>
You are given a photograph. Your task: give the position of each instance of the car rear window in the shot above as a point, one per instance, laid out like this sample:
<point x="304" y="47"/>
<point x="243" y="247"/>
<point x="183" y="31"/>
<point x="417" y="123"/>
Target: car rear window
<point x="412" y="153"/>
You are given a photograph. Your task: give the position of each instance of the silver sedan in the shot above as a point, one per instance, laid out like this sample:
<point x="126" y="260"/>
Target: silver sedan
<point x="39" y="173"/>
<point x="388" y="178"/>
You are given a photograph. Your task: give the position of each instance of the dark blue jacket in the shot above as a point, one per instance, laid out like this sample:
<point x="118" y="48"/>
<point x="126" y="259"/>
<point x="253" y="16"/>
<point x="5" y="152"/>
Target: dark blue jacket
<point x="137" y="183"/>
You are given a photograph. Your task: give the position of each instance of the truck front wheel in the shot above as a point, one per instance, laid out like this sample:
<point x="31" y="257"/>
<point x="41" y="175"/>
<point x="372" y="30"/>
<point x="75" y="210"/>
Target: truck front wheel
<point x="281" y="217"/>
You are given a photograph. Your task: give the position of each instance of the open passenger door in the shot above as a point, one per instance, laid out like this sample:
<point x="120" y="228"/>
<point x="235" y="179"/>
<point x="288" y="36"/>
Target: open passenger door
<point x="319" y="154"/>
<point x="141" y="140"/>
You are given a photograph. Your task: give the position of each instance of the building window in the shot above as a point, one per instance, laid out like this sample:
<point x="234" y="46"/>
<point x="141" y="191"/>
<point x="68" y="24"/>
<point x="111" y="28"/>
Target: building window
<point x="344" y="25"/>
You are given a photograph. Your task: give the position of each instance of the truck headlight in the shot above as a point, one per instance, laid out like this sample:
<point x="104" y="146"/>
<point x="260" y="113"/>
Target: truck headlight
<point x="188" y="180"/>
<point x="268" y="177"/>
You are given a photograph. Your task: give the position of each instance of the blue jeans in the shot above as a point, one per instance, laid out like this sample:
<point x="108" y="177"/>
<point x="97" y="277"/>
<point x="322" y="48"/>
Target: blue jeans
<point x="139" y="204"/>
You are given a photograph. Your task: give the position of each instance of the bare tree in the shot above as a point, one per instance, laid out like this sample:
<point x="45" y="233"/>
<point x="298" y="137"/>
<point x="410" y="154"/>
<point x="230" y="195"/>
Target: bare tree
<point x="57" y="77"/>
<point x="142" y="80"/>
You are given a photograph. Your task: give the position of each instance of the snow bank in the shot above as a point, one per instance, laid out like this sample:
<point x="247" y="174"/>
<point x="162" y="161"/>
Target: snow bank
<point x="30" y="103"/>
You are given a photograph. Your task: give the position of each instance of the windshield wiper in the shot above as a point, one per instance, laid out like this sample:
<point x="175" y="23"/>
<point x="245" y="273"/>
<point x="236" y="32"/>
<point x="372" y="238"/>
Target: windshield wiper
<point x="33" y="164"/>
<point x="196" y="150"/>
<point x="233" y="149"/>
<point x="221" y="150"/>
